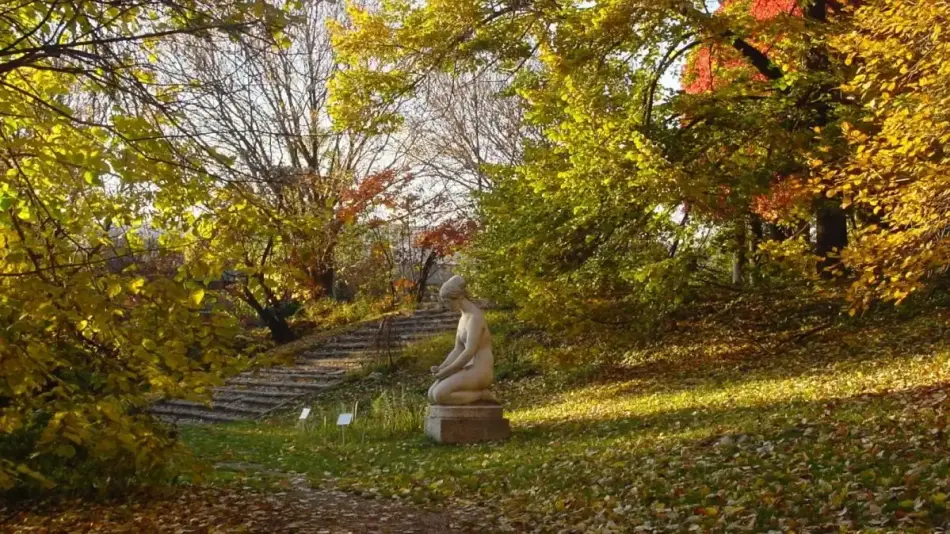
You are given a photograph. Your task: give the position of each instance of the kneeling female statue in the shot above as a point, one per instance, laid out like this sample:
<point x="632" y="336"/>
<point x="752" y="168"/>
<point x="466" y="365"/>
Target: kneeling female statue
<point x="466" y="373"/>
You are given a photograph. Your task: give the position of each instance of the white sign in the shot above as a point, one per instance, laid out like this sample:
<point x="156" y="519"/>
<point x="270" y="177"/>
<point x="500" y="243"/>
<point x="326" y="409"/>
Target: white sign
<point x="304" y="413"/>
<point x="344" y="419"/>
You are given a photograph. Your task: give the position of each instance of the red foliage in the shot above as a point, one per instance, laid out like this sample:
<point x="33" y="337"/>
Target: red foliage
<point x="447" y="237"/>
<point x="768" y="9"/>
<point x="379" y="189"/>
<point x="784" y="194"/>
<point x="706" y="67"/>
<point x="711" y="67"/>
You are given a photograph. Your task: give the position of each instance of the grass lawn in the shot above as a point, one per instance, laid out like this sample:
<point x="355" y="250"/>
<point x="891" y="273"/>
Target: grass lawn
<point x="724" y="424"/>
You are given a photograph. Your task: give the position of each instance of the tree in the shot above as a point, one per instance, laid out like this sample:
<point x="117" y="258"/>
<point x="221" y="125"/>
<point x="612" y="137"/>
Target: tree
<point x="438" y="243"/>
<point x="288" y="182"/>
<point x="896" y="175"/>
<point x="461" y="126"/>
<point x="93" y="189"/>
<point x="595" y="214"/>
<point x="262" y="103"/>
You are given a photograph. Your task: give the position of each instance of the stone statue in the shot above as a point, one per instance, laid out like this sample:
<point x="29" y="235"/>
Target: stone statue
<point x="462" y="410"/>
<point x="463" y="378"/>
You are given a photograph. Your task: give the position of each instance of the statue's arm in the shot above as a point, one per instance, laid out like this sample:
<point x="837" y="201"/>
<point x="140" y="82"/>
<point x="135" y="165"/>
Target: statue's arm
<point x="459" y="347"/>
<point x="472" y="342"/>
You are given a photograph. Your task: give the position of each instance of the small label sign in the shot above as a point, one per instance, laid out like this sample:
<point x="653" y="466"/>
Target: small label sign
<point x="304" y="413"/>
<point x="344" y="419"/>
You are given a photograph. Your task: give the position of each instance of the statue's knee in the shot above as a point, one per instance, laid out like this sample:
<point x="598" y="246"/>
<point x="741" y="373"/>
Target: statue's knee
<point x="441" y="395"/>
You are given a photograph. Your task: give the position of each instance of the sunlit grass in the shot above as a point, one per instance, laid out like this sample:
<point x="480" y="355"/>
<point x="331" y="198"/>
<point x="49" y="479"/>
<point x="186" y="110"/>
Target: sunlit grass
<point x="844" y="431"/>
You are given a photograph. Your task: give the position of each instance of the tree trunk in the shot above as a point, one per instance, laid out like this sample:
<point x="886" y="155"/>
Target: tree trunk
<point x="738" y="264"/>
<point x="323" y="273"/>
<point x="776" y="232"/>
<point x="422" y="283"/>
<point x="279" y="329"/>
<point x="324" y="279"/>
<point x="683" y="223"/>
<point x="831" y="222"/>
<point x="755" y="222"/>
<point x="832" y="235"/>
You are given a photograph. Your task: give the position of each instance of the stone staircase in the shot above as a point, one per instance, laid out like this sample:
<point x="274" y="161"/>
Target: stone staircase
<point x="255" y="394"/>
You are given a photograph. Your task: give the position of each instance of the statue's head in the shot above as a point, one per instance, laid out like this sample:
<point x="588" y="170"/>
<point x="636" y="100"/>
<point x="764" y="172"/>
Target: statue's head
<point x="453" y="292"/>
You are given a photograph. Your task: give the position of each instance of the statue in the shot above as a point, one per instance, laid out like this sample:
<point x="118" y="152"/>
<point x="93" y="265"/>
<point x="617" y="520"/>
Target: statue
<point x="462" y="410"/>
<point x="463" y="378"/>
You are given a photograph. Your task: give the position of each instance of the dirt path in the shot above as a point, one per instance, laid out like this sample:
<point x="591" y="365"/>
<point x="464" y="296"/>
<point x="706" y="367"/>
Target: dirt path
<point x="298" y="509"/>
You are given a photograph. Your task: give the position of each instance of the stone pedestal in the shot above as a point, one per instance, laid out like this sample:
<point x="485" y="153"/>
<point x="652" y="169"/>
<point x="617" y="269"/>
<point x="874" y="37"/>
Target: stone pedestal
<point x="467" y="424"/>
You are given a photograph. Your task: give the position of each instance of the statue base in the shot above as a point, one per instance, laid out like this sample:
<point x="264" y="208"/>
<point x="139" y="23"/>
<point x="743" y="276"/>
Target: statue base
<point x="472" y="423"/>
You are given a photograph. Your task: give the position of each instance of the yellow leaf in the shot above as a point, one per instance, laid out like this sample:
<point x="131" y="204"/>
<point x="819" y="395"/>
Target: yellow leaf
<point x="135" y="286"/>
<point x="114" y="289"/>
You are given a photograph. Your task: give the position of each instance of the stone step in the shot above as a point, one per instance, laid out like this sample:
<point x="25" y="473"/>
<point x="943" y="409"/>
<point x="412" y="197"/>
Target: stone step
<point x="288" y="373"/>
<point x="322" y="371"/>
<point x="202" y="414"/>
<point x="356" y="349"/>
<point x="257" y="392"/>
<point x="252" y="399"/>
<point x="416" y="319"/>
<point x="366" y="344"/>
<point x="425" y="312"/>
<point x="422" y="321"/>
<point x="217" y="407"/>
<point x="325" y="354"/>
<point x="409" y="323"/>
<point x="311" y="386"/>
<point x="254" y="394"/>
<point x="342" y="361"/>
<point x="371" y="337"/>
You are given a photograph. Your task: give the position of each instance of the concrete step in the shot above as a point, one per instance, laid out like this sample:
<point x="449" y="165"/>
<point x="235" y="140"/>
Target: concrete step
<point x="403" y="322"/>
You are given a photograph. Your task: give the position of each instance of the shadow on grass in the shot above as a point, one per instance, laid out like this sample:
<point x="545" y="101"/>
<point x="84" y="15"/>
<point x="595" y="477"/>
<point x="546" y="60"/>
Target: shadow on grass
<point x="697" y="360"/>
<point x="868" y="460"/>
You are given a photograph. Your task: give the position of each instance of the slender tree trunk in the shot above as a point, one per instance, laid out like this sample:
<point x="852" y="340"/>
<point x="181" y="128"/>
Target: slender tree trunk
<point x="422" y="283"/>
<point x="756" y="235"/>
<point x="738" y="264"/>
<point x="683" y="223"/>
<point x="755" y="223"/>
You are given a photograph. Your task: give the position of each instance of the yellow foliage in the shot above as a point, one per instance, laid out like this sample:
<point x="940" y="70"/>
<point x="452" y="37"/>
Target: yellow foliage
<point x="897" y="174"/>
